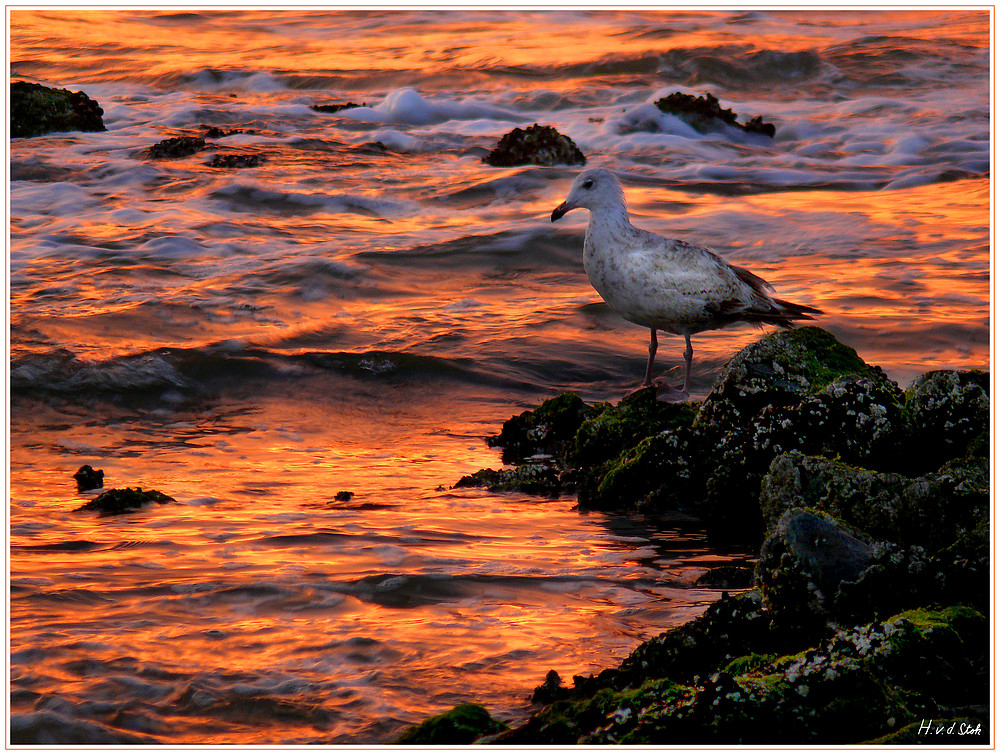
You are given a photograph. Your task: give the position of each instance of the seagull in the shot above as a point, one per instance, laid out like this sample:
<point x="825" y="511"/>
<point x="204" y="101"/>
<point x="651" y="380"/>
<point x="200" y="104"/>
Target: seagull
<point x="666" y="284"/>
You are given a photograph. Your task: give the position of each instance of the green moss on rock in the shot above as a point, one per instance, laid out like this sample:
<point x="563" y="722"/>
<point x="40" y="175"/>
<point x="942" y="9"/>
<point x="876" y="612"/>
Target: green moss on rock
<point x="550" y="429"/>
<point x="36" y="109"/>
<point x="462" y="725"/>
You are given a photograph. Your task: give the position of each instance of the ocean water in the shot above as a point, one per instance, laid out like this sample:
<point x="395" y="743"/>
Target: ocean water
<point x="360" y="310"/>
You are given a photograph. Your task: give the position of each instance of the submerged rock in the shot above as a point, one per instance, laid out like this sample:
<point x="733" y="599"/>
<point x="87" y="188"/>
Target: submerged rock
<point x="334" y="107"/>
<point x="236" y="161"/>
<point x="123" y="501"/>
<point x="462" y="725"/>
<point x="549" y="430"/>
<point x="88" y="478"/>
<point x="535" y="145"/>
<point x="36" y="109"/>
<point x="705" y="114"/>
<point x="178" y="146"/>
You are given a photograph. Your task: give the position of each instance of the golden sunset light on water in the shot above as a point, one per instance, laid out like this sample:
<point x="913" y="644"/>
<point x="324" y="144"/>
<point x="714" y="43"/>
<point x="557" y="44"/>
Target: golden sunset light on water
<point x="285" y="287"/>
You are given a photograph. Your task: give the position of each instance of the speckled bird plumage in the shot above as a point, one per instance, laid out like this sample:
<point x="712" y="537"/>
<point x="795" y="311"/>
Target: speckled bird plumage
<point x="665" y="284"/>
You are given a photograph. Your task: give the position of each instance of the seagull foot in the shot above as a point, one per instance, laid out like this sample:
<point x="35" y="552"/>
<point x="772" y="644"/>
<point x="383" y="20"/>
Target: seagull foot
<point x="669" y="393"/>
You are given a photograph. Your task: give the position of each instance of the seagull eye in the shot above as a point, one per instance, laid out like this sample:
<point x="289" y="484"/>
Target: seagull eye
<point x="587" y="184"/>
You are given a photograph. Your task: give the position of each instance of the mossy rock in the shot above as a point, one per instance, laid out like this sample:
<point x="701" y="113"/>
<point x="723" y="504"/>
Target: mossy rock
<point x="856" y="684"/>
<point x="36" y="109"/>
<point x="462" y="725"/>
<point x="611" y="429"/>
<point x="123" y="501"/>
<point x="778" y="370"/>
<point x="549" y="430"/>
<point x="931" y="511"/>
<point x="533" y="478"/>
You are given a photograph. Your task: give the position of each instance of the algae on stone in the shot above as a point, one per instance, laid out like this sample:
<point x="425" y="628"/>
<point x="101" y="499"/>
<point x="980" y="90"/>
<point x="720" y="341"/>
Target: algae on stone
<point x="461" y="725"/>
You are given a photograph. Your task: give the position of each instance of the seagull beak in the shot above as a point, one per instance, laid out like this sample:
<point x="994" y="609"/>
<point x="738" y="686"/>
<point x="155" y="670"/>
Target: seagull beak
<point x="561" y="210"/>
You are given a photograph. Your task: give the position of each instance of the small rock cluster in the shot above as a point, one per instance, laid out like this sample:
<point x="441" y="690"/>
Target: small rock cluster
<point x="535" y="145"/>
<point x="705" y="114"/>
<point x="870" y="506"/>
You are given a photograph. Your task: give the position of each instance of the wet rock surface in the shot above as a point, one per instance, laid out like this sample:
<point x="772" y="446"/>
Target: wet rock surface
<point x="535" y="145"/>
<point x="462" y="725"/>
<point x="124" y="501"/>
<point x="236" y="161"/>
<point x="88" y="478"/>
<point x="177" y="146"/>
<point x="36" y="109"/>
<point x="335" y="107"/>
<point x="705" y="114"/>
<point x="870" y="507"/>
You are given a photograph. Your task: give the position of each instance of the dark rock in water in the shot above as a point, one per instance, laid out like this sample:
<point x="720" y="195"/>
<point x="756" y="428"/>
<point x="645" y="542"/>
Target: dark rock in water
<point x="214" y="132"/>
<point x="549" y="430"/>
<point x="541" y="477"/>
<point x="608" y="429"/>
<point x="462" y="725"/>
<point x="948" y="410"/>
<point x="37" y="109"/>
<point x="704" y="114"/>
<point x="123" y="501"/>
<point x="236" y="161"/>
<point x="334" y="107"/>
<point x="535" y="145"/>
<point x="178" y="146"/>
<point x="88" y="478"/>
<point x="854" y="686"/>
<point x="803" y="563"/>
<point x="550" y="690"/>
<point x="728" y="577"/>
<point x="344" y="495"/>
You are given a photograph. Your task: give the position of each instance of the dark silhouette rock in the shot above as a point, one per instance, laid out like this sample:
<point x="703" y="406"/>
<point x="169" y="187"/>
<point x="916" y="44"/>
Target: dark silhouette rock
<point x="705" y="114"/>
<point x="178" y="146"/>
<point x="535" y="145"/>
<point x="236" y="161"/>
<point x="123" y="501"/>
<point x="88" y="478"/>
<point x="462" y="725"/>
<point x="37" y="109"/>
<point x="336" y="107"/>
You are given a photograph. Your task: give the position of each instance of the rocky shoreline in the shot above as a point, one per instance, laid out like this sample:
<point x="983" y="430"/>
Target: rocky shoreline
<point x="870" y="506"/>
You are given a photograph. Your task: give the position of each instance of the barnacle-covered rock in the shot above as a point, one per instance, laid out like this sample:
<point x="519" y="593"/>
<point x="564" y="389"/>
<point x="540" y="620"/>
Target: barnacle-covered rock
<point x="548" y="430"/>
<point x="535" y="145"/>
<point x="541" y="477"/>
<point x="948" y="411"/>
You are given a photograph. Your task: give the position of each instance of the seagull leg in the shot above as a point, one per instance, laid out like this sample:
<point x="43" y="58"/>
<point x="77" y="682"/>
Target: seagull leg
<point x="652" y="354"/>
<point x="688" y="353"/>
